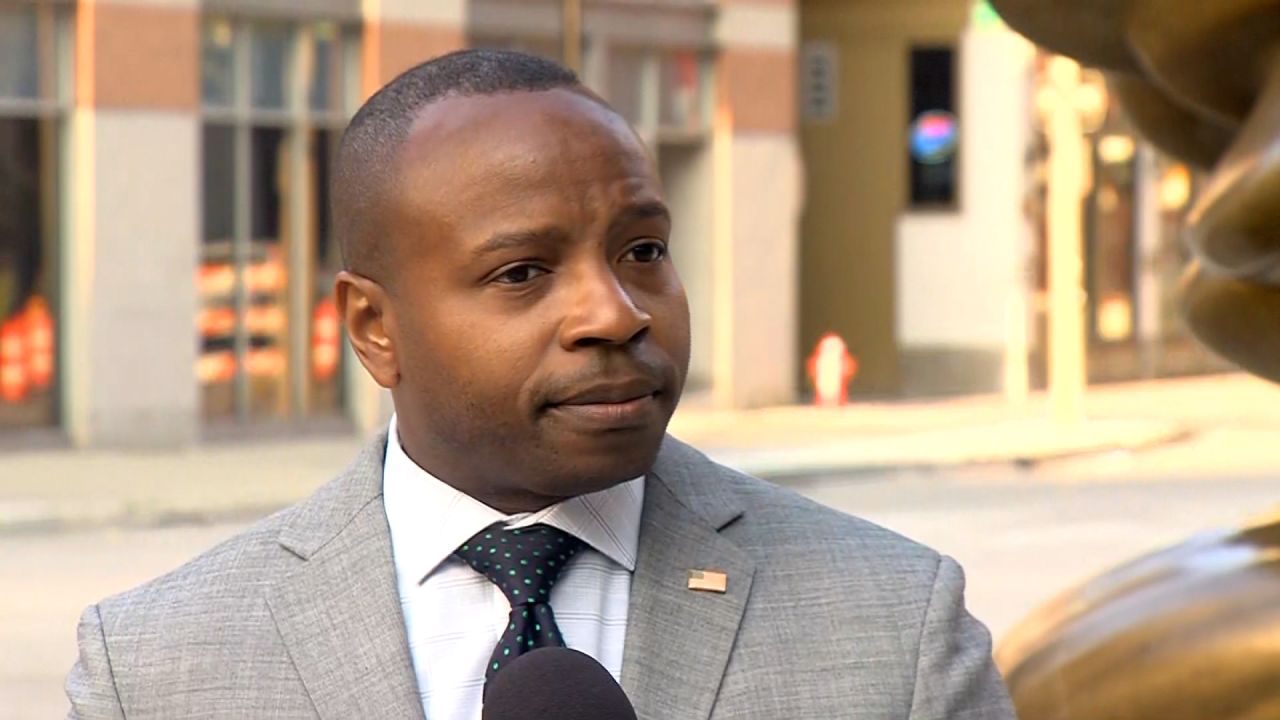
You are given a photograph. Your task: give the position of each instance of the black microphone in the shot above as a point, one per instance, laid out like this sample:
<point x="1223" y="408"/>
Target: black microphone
<point x="555" y="683"/>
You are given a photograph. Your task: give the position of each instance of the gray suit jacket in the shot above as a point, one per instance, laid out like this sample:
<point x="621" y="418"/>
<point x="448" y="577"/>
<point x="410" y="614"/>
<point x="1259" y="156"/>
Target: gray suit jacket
<point x="825" y="616"/>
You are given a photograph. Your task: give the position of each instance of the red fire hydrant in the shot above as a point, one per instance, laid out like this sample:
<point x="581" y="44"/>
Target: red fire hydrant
<point x="831" y="369"/>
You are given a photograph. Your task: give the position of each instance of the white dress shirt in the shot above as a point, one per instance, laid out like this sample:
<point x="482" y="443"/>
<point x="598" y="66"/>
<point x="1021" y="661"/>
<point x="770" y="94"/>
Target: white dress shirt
<point x="454" y="615"/>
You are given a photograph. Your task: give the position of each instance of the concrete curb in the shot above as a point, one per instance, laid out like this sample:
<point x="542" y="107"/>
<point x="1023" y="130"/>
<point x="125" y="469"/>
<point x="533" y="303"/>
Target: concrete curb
<point x="1014" y="443"/>
<point x="1022" y="444"/>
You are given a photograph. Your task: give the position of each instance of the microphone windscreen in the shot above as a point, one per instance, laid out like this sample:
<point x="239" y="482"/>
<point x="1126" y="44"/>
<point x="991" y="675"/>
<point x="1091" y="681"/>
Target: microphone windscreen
<point x="555" y="684"/>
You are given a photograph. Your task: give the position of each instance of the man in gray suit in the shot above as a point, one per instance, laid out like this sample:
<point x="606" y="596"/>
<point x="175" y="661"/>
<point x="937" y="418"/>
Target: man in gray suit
<point x="505" y="240"/>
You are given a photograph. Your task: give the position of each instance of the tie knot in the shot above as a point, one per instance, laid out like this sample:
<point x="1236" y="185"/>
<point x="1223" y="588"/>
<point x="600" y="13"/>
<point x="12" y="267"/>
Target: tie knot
<point x="523" y="562"/>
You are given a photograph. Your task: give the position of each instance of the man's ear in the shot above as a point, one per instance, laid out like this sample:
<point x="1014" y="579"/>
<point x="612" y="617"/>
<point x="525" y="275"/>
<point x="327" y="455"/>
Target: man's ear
<point x="370" y="323"/>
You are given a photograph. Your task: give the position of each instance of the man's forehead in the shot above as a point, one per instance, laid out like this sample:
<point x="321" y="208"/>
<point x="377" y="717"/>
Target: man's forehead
<point x="515" y="142"/>
<point x="516" y="120"/>
<point x="479" y="161"/>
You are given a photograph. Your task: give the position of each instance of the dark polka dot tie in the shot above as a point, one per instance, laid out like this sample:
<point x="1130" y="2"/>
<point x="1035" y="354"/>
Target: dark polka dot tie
<point x="524" y="563"/>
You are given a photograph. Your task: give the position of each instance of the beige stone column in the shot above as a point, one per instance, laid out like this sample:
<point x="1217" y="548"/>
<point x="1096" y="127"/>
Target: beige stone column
<point x="757" y="204"/>
<point x="131" y="253"/>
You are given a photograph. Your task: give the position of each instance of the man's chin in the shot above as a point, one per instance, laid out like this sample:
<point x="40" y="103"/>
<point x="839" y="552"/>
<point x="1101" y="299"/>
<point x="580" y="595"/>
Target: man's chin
<point x="594" y="469"/>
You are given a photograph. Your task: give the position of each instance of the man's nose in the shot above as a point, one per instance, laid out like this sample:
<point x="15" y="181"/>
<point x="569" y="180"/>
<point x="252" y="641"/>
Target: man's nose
<point x="602" y="312"/>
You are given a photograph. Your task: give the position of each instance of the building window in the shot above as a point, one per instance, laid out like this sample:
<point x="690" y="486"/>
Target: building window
<point x="662" y="91"/>
<point x="651" y="61"/>
<point x="34" y="94"/>
<point x="682" y="93"/>
<point x="1111" y="233"/>
<point x="934" y="133"/>
<point x="276" y="96"/>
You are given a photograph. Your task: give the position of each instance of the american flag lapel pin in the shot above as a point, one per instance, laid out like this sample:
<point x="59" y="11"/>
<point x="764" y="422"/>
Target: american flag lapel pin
<point x="708" y="581"/>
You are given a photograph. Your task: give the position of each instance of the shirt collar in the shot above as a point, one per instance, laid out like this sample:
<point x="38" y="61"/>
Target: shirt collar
<point x="428" y="519"/>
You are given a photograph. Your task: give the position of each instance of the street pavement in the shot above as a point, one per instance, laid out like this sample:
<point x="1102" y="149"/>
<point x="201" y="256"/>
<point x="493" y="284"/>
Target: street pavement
<point x="1022" y="536"/>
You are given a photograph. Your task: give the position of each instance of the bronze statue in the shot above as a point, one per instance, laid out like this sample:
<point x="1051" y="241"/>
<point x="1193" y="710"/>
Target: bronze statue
<point x="1188" y="633"/>
<point x="1192" y="632"/>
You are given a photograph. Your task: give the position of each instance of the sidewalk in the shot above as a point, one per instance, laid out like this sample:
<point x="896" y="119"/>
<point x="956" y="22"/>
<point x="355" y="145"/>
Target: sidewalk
<point x="59" y="489"/>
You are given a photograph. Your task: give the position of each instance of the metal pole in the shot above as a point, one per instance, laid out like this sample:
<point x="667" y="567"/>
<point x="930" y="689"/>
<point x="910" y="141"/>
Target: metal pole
<point x="300" y="241"/>
<point x="571" y="34"/>
<point x="1147" y="281"/>
<point x="242" y="224"/>
<point x="1067" y="180"/>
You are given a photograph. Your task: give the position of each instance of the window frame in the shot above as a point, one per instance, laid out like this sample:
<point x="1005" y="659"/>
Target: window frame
<point x="956" y="203"/>
<point x="300" y="123"/>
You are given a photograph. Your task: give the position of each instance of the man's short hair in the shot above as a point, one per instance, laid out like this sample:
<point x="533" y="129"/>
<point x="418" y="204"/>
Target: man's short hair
<point x="367" y="150"/>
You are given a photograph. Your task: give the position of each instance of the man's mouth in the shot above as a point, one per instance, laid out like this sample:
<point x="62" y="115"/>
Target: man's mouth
<point x="610" y="393"/>
<point x="610" y="405"/>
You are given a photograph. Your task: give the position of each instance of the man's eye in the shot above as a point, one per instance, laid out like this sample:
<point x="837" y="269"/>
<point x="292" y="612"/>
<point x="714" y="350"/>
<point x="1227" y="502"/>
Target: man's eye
<point x="650" y="252"/>
<point x="519" y="274"/>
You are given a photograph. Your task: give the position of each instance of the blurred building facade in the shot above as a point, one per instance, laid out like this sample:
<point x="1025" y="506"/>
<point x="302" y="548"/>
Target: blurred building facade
<point x="165" y="253"/>
<point x="923" y="233"/>
<point x="871" y="168"/>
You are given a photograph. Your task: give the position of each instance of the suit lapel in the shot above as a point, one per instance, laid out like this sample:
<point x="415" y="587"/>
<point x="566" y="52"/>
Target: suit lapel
<point x="339" y="613"/>
<point x="679" y="640"/>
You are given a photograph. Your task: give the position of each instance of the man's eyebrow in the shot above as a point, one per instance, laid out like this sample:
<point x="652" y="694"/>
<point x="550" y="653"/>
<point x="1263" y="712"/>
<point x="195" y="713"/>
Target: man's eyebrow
<point x="649" y="210"/>
<point x="516" y="239"/>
